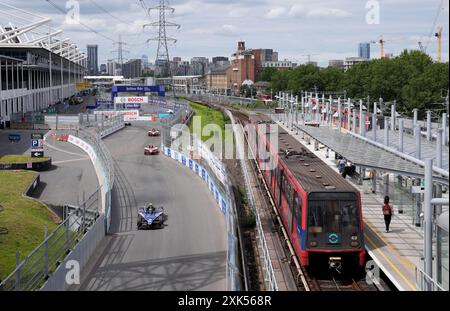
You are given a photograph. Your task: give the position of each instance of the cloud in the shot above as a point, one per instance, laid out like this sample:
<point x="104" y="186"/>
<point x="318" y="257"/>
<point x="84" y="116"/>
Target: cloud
<point x="228" y="31"/>
<point x="276" y="12"/>
<point x="328" y="12"/>
<point x="238" y="12"/>
<point x="298" y="10"/>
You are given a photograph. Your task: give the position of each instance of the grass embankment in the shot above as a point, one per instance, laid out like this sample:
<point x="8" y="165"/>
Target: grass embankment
<point x="5" y="159"/>
<point x="209" y="116"/>
<point x="24" y="219"/>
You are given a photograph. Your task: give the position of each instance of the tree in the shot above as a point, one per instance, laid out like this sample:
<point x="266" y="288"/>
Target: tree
<point x="268" y="74"/>
<point x="426" y="89"/>
<point x="331" y="79"/>
<point x="247" y="90"/>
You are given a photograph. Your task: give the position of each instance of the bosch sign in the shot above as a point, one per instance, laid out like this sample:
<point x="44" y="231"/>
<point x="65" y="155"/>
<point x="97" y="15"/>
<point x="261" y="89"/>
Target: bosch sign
<point x="131" y="100"/>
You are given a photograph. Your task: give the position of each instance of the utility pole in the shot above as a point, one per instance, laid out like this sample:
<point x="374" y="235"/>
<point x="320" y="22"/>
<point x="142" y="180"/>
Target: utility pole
<point x="162" y="56"/>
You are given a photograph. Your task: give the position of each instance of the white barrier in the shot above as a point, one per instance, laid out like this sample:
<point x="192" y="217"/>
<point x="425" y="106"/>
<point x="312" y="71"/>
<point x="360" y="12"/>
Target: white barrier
<point x="197" y="169"/>
<point x="100" y="171"/>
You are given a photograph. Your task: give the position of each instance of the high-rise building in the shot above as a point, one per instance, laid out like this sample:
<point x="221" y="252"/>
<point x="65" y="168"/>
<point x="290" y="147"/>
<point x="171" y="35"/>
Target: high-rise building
<point x="92" y="59"/>
<point x="132" y="69"/>
<point x="364" y="50"/>
<point x="145" y="62"/>
<point x="199" y="66"/>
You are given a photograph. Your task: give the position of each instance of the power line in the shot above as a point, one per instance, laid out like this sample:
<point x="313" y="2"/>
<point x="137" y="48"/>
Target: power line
<point x="434" y="24"/>
<point x="107" y="12"/>
<point x="81" y="23"/>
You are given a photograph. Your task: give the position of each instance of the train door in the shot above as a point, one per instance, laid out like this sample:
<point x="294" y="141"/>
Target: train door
<point x="291" y="209"/>
<point x="278" y="187"/>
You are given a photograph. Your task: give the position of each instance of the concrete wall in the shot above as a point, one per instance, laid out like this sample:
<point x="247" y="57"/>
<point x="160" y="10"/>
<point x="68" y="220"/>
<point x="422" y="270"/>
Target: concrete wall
<point x="81" y="254"/>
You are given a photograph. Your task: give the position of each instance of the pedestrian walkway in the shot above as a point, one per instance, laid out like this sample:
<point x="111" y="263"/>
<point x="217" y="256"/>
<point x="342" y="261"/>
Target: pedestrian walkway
<point x="396" y="253"/>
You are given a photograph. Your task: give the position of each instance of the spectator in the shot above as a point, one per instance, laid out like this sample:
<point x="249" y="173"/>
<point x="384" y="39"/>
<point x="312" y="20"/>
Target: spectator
<point x="388" y="211"/>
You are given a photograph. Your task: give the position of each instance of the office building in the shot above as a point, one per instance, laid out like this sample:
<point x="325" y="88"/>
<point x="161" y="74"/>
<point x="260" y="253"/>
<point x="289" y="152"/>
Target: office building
<point x="92" y="59"/>
<point x="132" y="69"/>
<point x="364" y="50"/>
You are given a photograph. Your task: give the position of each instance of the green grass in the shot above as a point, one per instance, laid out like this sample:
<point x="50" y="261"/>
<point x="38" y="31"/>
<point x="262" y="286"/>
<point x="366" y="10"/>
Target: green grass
<point x="209" y="116"/>
<point x="22" y="217"/>
<point x="20" y="159"/>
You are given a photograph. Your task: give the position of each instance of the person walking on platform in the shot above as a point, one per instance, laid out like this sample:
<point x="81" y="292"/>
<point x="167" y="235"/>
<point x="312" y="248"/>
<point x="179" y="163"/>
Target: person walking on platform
<point x="388" y="211"/>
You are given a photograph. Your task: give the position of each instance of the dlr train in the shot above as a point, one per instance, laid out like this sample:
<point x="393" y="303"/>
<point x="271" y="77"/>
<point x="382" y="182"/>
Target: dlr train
<point x="320" y="210"/>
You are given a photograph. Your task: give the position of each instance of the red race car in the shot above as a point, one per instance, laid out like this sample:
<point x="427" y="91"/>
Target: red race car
<point x="154" y="133"/>
<point x="151" y="150"/>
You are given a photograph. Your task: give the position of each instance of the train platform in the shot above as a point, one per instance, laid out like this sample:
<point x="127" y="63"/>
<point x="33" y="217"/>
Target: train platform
<point x="396" y="253"/>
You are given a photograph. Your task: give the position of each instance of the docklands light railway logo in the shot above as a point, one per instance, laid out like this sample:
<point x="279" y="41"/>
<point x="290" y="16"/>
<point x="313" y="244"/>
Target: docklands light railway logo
<point x="234" y="143"/>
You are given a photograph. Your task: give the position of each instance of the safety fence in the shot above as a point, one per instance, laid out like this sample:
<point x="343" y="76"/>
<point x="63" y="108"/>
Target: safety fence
<point x="215" y="178"/>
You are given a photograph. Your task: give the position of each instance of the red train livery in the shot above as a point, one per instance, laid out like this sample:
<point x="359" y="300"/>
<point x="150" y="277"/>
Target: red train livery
<point x="320" y="210"/>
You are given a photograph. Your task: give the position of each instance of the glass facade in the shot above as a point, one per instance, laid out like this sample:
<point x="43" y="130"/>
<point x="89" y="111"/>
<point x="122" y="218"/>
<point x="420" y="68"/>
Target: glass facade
<point x="364" y="50"/>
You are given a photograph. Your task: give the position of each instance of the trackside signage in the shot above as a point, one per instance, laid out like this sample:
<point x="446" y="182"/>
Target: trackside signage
<point x="131" y="100"/>
<point x="128" y="115"/>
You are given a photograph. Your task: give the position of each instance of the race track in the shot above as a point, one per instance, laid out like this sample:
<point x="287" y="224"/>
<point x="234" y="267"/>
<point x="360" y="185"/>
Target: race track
<point x="189" y="254"/>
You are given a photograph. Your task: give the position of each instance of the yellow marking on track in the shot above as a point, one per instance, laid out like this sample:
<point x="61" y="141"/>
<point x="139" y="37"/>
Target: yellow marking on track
<point x="405" y="262"/>
<point x="375" y="247"/>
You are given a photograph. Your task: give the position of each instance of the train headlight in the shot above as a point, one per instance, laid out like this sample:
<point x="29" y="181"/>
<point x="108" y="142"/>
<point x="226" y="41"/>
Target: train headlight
<point x="313" y="243"/>
<point x="354" y="244"/>
<point x="354" y="238"/>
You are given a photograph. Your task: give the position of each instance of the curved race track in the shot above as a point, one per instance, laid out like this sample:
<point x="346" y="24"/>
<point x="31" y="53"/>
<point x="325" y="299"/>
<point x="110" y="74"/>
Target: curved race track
<point x="188" y="254"/>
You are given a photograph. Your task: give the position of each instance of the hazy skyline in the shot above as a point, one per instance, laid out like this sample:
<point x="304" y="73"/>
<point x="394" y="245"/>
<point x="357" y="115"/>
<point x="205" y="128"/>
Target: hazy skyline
<point x="325" y="29"/>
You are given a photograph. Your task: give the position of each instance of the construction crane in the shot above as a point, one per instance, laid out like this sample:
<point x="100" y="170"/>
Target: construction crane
<point x="438" y="35"/>
<point x="382" y="43"/>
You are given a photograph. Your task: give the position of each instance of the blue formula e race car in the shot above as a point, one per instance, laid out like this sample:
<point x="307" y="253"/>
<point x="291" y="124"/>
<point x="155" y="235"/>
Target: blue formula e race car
<point x="151" y="218"/>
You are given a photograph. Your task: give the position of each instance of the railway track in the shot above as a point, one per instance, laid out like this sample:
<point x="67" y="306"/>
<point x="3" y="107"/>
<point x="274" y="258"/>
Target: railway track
<point x="310" y="280"/>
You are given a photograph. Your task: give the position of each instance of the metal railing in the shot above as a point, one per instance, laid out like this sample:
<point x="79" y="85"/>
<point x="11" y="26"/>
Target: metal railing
<point x="35" y="269"/>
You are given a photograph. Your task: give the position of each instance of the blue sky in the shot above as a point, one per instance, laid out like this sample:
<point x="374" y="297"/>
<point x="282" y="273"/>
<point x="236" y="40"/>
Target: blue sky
<point x="295" y="28"/>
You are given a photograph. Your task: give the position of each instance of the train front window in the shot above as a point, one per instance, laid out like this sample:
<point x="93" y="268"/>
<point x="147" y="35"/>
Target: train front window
<point x="333" y="218"/>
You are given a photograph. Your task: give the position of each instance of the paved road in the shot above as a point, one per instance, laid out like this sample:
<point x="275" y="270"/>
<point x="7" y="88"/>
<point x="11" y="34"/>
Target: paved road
<point x="71" y="175"/>
<point x="72" y="178"/>
<point x="188" y="254"/>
